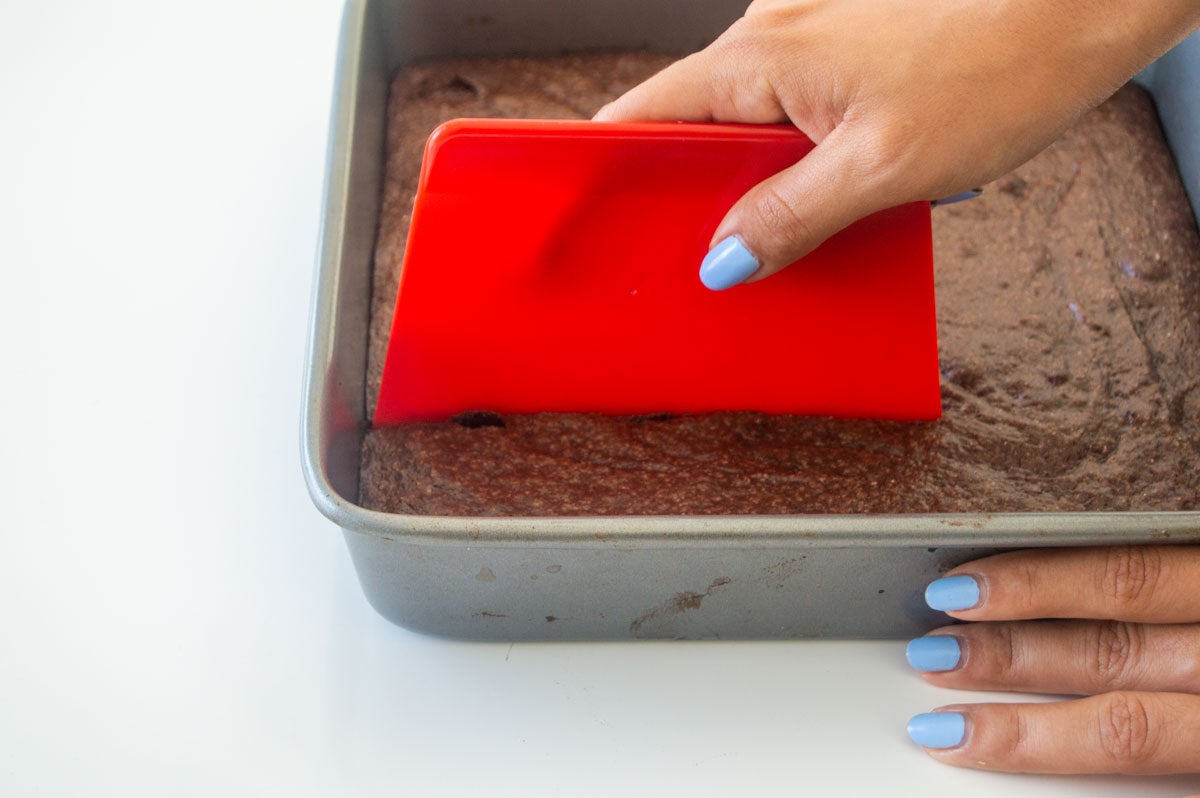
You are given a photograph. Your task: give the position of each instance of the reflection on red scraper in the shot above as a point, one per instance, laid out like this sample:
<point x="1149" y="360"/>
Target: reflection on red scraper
<point x="552" y="266"/>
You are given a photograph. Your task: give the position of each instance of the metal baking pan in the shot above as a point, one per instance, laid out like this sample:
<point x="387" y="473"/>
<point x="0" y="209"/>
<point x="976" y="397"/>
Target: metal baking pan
<point x="841" y="576"/>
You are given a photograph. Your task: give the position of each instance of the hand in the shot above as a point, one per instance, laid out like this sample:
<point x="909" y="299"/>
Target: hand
<point x="906" y="101"/>
<point x="1133" y="648"/>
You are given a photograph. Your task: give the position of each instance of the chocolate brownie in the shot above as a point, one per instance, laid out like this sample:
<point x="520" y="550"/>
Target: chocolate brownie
<point x="1069" y="327"/>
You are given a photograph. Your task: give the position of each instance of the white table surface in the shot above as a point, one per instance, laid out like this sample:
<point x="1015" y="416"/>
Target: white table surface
<point x="177" y="618"/>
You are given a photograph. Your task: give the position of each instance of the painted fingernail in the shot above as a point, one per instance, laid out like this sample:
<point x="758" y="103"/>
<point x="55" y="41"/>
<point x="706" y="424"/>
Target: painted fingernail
<point x="952" y="593"/>
<point x="963" y="197"/>
<point x="934" y="653"/>
<point x="727" y="264"/>
<point x="938" y="729"/>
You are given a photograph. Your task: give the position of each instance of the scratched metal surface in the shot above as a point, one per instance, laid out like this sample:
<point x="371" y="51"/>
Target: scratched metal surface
<point x="616" y="577"/>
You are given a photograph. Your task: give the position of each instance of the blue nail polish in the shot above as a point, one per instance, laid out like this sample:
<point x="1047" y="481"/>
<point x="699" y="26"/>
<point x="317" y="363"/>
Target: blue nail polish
<point x="938" y="729"/>
<point x="963" y="197"/>
<point x="952" y="593"/>
<point x="727" y="264"/>
<point x="934" y="653"/>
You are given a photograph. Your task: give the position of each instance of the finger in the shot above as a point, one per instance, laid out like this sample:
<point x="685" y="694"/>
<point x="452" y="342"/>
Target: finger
<point x="1061" y="657"/>
<point x="1128" y="732"/>
<point x="678" y="93"/>
<point x="703" y="87"/>
<point x="788" y="215"/>
<point x="1147" y="584"/>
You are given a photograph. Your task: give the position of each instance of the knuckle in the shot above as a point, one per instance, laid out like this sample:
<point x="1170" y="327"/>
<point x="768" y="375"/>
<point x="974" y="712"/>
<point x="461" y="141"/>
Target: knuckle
<point x="884" y="155"/>
<point x="1007" y="737"/>
<point x="1179" y="645"/>
<point x="1126" y="735"/>
<point x="1190" y="669"/>
<point x="779" y="222"/>
<point x="1027" y="577"/>
<point x="742" y="82"/>
<point x="738" y="43"/>
<point x="1018" y="740"/>
<point x="773" y="12"/>
<point x="1113" y="649"/>
<point x="1000" y="651"/>
<point x="1130" y="577"/>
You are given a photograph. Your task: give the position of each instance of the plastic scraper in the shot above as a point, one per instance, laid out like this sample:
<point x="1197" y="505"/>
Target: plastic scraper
<point x="552" y="266"/>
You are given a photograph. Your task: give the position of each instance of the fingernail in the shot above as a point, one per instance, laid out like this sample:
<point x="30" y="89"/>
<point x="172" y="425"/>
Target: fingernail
<point x="934" y="653"/>
<point x="963" y="197"/>
<point x="727" y="264"/>
<point x="952" y="593"/>
<point x="938" y="729"/>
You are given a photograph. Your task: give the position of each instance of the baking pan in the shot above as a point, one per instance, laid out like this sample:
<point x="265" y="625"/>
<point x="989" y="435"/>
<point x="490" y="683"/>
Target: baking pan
<point x="847" y="576"/>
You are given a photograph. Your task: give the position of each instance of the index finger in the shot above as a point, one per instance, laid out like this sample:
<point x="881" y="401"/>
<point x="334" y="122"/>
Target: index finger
<point x="1143" y="584"/>
<point x="717" y="84"/>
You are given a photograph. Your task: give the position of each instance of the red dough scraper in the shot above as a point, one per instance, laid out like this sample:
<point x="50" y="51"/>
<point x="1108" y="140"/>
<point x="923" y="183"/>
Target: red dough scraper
<point x="552" y="266"/>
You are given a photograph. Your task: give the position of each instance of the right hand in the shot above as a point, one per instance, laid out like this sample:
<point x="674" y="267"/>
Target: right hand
<point x="906" y="101"/>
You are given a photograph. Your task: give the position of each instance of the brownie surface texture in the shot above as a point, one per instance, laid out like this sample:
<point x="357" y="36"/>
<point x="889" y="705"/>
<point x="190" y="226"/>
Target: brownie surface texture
<point x="1068" y="301"/>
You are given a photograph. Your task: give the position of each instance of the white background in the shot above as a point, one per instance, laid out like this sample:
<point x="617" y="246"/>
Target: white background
<point x="176" y="618"/>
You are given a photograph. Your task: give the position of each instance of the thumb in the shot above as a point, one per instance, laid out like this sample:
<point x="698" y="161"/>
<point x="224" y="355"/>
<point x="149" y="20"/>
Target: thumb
<point x="788" y="215"/>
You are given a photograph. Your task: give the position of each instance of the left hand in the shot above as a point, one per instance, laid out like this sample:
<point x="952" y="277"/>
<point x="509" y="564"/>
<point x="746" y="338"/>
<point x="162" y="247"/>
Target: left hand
<point x="1121" y="626"/>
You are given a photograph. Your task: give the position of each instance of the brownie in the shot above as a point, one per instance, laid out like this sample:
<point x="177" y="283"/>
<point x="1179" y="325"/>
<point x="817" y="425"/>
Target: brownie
<point x="1068" y="304"/>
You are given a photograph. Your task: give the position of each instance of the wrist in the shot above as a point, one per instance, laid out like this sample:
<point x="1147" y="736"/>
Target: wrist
<point x="1130" y="34"/>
